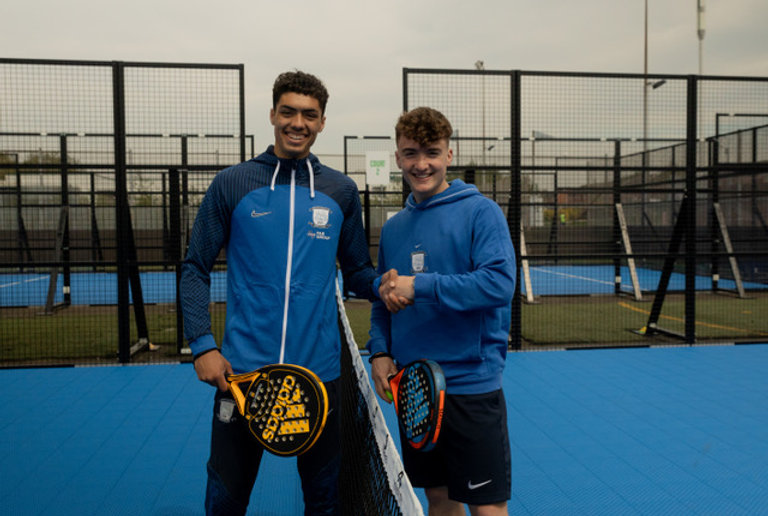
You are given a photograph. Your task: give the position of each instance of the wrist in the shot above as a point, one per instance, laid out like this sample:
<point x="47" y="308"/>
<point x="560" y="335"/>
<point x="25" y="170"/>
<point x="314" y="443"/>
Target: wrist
<point x="204" y="352"/>
<point x="379" y="354"/>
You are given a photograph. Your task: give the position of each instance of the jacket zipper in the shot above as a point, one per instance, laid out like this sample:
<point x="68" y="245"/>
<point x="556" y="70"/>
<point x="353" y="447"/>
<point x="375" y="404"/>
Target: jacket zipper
<point x="288" y="264"/>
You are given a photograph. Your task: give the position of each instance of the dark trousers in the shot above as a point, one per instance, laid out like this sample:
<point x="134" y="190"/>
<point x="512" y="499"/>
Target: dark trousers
<point x="236" y="456"/>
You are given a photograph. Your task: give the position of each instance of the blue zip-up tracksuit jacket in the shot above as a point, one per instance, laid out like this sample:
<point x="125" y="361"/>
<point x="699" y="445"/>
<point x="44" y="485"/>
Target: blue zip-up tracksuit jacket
<point x="283" y="224"/>
<point x="457" y="245"/>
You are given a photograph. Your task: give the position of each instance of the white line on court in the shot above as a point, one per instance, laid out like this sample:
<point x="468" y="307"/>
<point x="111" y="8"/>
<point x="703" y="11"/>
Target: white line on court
<point x="30" y="280"/>
<point x="584" y="278"/>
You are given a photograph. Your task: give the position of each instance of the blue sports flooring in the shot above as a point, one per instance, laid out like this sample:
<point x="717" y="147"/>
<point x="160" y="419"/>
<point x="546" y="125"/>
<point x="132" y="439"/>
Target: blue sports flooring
<point x="674" y="430"/>
<point x="31" y="289"/>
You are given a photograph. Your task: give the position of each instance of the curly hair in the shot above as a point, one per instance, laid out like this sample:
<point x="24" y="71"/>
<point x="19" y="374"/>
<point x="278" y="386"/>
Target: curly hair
<point x="302" y="83"/>
<point x="423" y="125"/>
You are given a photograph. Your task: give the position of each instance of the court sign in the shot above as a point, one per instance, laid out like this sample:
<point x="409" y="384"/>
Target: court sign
<point x="377" y="168"/>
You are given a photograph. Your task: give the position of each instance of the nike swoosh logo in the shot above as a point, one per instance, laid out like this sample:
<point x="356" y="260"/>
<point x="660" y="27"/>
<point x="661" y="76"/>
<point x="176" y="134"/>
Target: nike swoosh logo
<point x="254" y="214"/>
<point x="472" y="486"/>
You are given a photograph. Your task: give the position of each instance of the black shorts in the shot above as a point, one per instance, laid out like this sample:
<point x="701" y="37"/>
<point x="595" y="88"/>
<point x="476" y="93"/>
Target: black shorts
<point x="471" y="457"/>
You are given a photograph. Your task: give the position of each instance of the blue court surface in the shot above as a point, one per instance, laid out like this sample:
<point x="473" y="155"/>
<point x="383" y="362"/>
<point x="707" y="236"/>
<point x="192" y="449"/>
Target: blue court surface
<point x="100" y="288"/>
<point x="674" y="430"/>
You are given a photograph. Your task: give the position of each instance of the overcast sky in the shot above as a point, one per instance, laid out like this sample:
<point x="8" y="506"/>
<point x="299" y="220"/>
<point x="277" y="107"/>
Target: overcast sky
<point x="359" y="48"/>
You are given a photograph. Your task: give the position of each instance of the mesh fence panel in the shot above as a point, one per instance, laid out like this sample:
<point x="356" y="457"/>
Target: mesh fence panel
<point x="589" y="151"/>
<point x="61" y="174"/>
<point x="602" y="152"/>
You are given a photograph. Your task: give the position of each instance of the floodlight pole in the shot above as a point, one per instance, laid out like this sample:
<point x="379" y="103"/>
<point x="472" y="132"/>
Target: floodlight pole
<point x="700" y="31"/>
<point x="645" y="106"/>
<point x="480" y="65"/>
<point x="645" y="83"/>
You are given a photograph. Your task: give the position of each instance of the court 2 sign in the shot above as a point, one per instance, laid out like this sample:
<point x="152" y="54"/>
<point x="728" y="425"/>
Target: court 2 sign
<point x="377" y="168"/>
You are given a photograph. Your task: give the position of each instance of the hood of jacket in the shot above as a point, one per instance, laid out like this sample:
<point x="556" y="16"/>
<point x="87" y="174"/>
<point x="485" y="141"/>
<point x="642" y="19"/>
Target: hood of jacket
<point x="304" y="167"/>
<point x="269" y="158"/>
<point x="457" y="190"/>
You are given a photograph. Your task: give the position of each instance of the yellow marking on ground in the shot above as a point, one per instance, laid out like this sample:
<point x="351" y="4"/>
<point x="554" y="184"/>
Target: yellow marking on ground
<point x="700" y="323"/>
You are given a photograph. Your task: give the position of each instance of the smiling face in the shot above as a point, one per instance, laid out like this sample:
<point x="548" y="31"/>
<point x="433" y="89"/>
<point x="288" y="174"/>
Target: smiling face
<point x="424" y="166"/>
<point x="297" y="120"/>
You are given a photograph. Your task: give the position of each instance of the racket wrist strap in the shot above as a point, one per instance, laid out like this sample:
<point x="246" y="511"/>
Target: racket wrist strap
<point x="379" y="355"/>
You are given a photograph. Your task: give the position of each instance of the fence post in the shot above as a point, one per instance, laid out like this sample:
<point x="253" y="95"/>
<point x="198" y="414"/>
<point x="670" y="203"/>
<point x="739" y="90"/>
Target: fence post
<point x="513" y="209"/>
<point x="241" y="134"/>
<point x="616" y="228"/>
<point x="65" y="251"/>
<point x="122" y="227"/>
<point x="174" y="247"/>
<point x="690" y="207"/>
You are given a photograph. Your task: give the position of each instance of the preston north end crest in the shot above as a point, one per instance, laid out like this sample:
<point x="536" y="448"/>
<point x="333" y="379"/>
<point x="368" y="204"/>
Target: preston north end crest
<point x="320" y="216"/>
<point x="417" y="261"/>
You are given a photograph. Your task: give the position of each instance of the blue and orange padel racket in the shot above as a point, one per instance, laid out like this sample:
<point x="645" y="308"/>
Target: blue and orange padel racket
<point x="286" y="406"/>
<point x="419" y="394"/>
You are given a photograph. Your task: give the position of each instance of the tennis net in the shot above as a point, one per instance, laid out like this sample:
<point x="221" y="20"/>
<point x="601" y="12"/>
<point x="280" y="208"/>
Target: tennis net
<point x="372" y="481"/>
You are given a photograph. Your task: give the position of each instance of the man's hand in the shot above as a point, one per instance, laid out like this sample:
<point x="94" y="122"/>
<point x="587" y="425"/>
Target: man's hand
<point x="381" y="369"/>
<point x="212" y="369"/>
<point x="396" y="291"/>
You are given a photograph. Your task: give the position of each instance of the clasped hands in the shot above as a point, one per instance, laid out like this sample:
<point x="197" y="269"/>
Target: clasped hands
<point x="396" y="291"/>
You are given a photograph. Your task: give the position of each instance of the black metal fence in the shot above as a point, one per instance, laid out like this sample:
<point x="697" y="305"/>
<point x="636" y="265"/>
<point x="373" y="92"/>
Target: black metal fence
<point x="101" y="165"/>
<point x="637" y="205"/>
<point x="620" y="189"/>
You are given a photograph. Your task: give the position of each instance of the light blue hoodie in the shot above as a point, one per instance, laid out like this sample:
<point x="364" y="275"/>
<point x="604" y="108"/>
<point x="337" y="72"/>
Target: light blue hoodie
<point x="457" y="244"/>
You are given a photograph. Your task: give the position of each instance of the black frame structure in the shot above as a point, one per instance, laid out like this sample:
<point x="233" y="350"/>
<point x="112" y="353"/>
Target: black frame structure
<point x="580" y="151"/>
<point x="103" y="165"/>
<point x="104" y="113"/>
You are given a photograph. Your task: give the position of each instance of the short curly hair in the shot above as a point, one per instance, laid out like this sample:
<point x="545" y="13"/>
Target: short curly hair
<point x="423" y="125"/>
<point x="302" y="83"/>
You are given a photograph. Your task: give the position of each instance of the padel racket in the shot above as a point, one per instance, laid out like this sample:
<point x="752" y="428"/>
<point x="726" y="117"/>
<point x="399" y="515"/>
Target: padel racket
<point x="419" y="393"/>
<point x="286" y="406"/>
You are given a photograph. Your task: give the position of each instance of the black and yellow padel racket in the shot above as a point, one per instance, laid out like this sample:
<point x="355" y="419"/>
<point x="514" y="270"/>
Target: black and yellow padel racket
<point x="286" y="406"/>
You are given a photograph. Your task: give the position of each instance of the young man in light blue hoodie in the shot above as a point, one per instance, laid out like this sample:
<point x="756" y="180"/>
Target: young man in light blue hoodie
<point x="454" y="260"/>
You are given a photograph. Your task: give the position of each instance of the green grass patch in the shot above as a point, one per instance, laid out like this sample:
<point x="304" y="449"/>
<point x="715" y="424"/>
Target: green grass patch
<point x="359" y="315"/>
<point x="89" y="334"/>
<point x="611" y="320"/>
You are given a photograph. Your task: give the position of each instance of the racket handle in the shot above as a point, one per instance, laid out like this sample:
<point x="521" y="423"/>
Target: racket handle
<point x="238" y="395"/>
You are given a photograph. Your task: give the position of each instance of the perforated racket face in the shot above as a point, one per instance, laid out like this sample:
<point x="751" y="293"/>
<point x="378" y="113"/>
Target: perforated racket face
<point x="419" y="403"/>
<point x="286" y="408"/>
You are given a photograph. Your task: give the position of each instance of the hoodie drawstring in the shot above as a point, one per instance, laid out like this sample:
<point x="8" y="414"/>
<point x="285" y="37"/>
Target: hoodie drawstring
<point x="311" y="178"/>
<point x="274" y="176"/>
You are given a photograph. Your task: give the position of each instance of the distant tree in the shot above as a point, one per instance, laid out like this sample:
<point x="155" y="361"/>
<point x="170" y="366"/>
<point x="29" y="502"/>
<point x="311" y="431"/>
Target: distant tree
<point x="146" y="199"/>
<point x="7" y="159"/>
<point x="43" y="158"/>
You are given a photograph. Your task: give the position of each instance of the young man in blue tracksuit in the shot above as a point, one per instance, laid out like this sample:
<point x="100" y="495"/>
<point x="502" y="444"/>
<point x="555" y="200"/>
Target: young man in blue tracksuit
<point x="283" y="219"/>
<point x="454" y="259"/>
